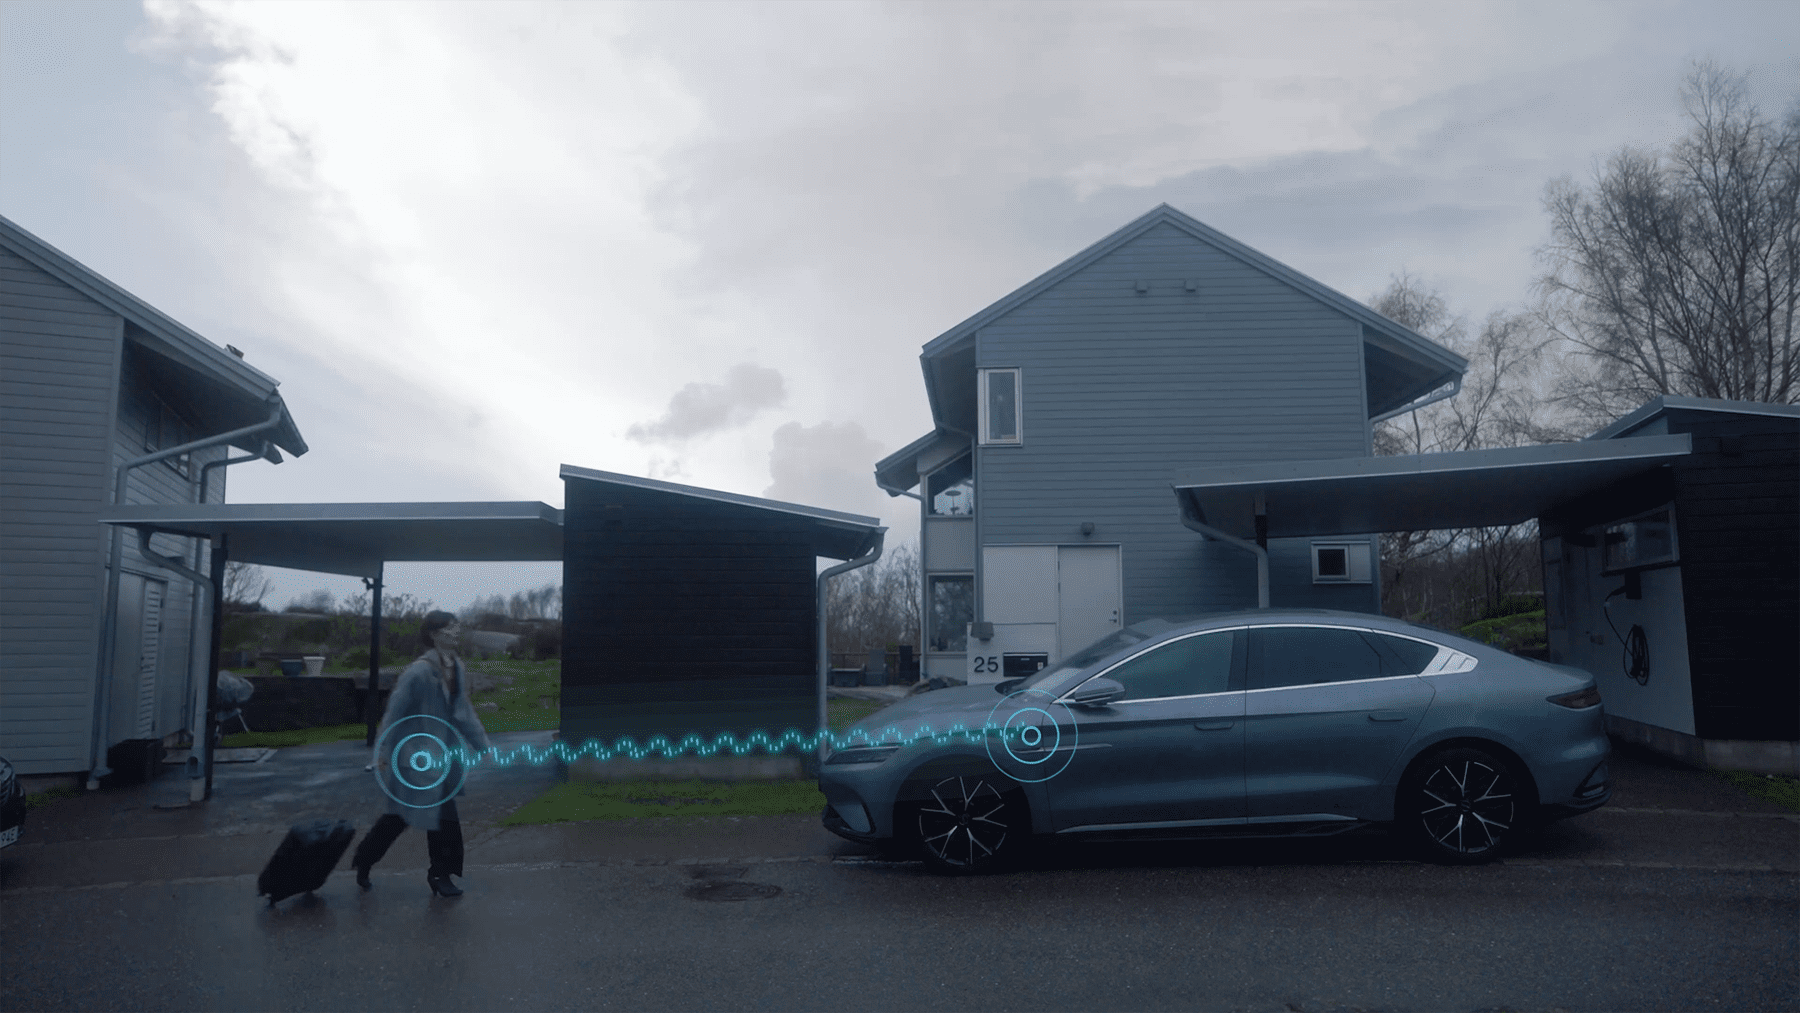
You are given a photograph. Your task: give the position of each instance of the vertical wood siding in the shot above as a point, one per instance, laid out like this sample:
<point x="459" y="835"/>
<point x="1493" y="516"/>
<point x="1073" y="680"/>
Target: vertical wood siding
<point x="1737" y="511"/>
<point x="59" y="356"/>
<point x="1120" y="389"/>
<point x="683" y="615"/>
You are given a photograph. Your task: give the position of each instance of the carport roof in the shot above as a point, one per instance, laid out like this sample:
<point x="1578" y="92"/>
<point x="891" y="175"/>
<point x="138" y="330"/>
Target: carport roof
<point x="356" y="538"/>
<point x="1476" y="488"/>
<point x="836" y="535"/>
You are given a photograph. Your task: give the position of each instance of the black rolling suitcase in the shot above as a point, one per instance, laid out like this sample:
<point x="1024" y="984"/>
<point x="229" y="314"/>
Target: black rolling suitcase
<point x="305" y="858"/>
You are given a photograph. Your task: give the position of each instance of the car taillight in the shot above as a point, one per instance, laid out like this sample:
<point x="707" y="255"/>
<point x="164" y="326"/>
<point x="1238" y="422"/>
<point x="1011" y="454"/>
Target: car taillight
<point x="1578" y="700"/>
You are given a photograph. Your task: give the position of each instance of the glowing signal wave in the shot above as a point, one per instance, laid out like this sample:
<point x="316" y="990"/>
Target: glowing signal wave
<point x="697" y="745"/>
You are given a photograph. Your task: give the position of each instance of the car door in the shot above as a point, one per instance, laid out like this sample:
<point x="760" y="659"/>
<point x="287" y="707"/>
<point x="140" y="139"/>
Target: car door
<point x="1325" y="719"/>
<point x="1171" y="751"/>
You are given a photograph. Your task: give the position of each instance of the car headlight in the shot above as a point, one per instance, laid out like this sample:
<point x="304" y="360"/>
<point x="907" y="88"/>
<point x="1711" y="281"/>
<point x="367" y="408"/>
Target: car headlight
<point x="862" y="754"/>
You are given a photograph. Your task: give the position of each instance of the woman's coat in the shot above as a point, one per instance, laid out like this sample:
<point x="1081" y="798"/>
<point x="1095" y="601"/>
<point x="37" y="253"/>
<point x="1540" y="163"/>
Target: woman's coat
<point x="420" y="690"/>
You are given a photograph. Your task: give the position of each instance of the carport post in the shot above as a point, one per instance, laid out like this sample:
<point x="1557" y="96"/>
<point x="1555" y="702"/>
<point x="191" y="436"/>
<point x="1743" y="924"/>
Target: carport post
<point x="209" y="727"/>
<point x="824" y="657"/>
<point x="372" y="706"/>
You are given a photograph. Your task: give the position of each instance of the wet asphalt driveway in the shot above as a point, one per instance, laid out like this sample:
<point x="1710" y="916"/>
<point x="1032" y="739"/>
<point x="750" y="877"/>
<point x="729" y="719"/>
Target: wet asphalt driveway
<point x="1684" y="893"/>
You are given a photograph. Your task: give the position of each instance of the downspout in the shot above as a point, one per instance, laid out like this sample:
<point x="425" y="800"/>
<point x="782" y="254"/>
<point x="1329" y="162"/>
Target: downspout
<point x="1189" y="521"/>
<point x="874" y="553"/>
<point x="1414" y="406"/>
<point x="200" y="693"/>
<point x="97" y="767"/>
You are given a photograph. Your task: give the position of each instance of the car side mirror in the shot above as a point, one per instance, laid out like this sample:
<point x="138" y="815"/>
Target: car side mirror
<point x="1097" y="692"/>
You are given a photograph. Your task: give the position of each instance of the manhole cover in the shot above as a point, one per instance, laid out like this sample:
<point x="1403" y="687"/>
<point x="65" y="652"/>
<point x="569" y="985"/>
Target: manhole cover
<point x="723" y="891"/>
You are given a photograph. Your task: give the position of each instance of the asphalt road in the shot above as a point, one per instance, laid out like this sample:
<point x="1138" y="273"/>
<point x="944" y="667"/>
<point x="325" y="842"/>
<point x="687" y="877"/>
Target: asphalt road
<point x="1683" y="894"/>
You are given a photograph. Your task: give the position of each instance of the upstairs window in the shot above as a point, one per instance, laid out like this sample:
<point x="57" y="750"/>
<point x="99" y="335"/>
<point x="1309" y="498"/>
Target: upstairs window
<point x="163" y="429"/>
<point x="952" y="488"/>
<point x="1001" y="418"/>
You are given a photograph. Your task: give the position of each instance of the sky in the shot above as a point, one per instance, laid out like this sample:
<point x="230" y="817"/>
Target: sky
<point x="704" y="242"/>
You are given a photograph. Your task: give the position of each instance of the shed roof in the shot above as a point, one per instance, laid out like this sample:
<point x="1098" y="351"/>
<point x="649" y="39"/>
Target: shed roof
<point x="836" y="535"/>
<point x="1653" y="409"/>
<point x="1476" y="488"/>
<point x="223" y="390"/>
<point x="900" y="470"/>
<point x="356" y="538"/>
<point x="1407" y="365"/>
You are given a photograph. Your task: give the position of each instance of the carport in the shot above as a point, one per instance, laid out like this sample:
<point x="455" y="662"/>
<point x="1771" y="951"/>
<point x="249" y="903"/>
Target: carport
<point x="353" y="539"/>
<point x="1668" y="545"/>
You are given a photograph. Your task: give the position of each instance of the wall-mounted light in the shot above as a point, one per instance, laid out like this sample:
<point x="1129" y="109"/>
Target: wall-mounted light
<point x="1087" y="527"/>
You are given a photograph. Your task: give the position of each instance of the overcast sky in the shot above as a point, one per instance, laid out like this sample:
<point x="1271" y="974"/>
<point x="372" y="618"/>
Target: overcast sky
<point x="704" y="242"/>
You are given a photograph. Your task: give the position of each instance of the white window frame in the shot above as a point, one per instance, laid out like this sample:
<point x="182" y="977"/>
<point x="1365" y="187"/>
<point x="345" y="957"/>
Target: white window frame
<point x="1018" y="406"/>
<point x="1351" y="553"/>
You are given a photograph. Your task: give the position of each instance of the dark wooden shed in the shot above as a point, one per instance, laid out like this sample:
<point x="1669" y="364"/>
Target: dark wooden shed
<point x="690" y="610"/>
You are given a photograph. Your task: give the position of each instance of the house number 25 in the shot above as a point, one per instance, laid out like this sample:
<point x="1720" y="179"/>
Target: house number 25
<point x="987" y="663"/>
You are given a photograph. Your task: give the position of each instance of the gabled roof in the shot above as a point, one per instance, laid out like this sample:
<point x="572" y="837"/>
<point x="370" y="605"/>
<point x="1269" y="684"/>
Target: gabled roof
<point x="1654" y="408"/>
<point x="837" y="535"/>
<point x="250" y="392"/>
<point x="1437" y="364"/>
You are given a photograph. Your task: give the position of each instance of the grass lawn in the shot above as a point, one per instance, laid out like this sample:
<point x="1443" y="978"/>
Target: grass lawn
<point x="581" y="800"/>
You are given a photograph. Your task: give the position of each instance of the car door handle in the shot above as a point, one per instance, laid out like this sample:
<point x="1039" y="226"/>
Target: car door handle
<point x="1387" y="715"/>
<point x="1213" y="726"/>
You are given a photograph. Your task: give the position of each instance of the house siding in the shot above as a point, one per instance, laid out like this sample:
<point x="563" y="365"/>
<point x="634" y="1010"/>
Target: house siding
<point x="1119" y="389"/>
<point x="59" y="357"/>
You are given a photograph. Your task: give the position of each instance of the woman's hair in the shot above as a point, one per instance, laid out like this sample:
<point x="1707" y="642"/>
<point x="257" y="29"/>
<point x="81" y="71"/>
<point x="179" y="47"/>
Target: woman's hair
<point x="434" y="621"/>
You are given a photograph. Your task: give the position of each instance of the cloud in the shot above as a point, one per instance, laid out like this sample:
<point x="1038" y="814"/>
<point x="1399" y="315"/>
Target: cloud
<point x="829" y="465"/>
<point x="703" y="408"/>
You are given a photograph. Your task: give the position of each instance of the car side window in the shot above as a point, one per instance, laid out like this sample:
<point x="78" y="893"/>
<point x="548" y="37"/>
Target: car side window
<point x="1401" y="656"/>
<point x="1310" y="655"/>
<point x="1198" y="664"/>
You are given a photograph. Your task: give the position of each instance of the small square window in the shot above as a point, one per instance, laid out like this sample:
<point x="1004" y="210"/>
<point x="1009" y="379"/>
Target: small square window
<point x="1001" y="415"/>
<point x="1340" y="562"/>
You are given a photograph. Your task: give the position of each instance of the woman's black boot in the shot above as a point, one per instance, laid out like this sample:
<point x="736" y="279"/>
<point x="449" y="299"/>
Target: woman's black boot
<point x="442" y="886"/>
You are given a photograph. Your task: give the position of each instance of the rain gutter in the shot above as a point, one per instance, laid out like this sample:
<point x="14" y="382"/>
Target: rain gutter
<point x="1193" y="523"/>
<point x="825" y="656"/>
<point x="1413" y="406"/>
<point x="109" y="625"/>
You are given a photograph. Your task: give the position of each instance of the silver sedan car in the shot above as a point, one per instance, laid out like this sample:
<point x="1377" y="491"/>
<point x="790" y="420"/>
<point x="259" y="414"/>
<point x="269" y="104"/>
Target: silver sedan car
<point x="1277" y="722"/>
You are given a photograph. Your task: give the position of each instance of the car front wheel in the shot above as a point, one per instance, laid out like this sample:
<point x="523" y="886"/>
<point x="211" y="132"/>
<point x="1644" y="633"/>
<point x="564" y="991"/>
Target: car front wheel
<point x="971" y="825"/>
<point x="1462" y="806"/>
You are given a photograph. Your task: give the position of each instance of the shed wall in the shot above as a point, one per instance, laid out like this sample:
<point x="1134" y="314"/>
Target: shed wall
<point x="684" y="616"/>
<point x="1119" y="389"/>
<point x="1738" y="524"/>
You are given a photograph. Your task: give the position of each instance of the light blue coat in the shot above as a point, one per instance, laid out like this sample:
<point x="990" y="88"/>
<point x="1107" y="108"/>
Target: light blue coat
<point x="420" y="690"/>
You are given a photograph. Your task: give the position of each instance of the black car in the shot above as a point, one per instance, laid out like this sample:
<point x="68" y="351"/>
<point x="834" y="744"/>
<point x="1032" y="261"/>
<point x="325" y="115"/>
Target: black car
<point x="12" y="805"/>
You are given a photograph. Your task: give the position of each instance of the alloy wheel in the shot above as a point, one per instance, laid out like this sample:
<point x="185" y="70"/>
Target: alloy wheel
<point x="1466" y="804"/>
<point x="965" y="824"/>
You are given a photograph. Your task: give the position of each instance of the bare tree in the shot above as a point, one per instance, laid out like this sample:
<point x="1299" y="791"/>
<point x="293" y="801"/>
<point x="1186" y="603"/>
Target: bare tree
<point x="1447" y="577"/>
<point x="1679" y="273"/>
<point x="246" y="585"/>
<point x="875" y="605"/>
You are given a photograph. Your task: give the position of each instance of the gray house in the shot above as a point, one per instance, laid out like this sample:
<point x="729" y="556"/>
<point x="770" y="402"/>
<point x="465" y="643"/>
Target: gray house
<point x="1062" y="411"/>
<point x="102" y="394"/>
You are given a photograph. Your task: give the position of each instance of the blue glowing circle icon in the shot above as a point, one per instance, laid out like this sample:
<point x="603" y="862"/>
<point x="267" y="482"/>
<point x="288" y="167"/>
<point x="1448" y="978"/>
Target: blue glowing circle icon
<point x="1033" y="737"/>
<point x="425" y="761"/>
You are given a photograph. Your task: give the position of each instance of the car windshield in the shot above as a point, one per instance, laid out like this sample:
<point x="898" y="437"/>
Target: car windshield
<point x="1061" y="676"/>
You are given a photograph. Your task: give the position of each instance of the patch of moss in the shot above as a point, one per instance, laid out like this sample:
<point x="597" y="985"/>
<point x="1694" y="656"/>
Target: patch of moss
<point x="1776" y="788"/>
<point x="44" y="798"/>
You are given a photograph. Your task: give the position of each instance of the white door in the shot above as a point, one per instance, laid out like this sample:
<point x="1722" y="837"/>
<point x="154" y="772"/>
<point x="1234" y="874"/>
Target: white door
<point x="1088" y="595"/>
<point x="137" y="655"/>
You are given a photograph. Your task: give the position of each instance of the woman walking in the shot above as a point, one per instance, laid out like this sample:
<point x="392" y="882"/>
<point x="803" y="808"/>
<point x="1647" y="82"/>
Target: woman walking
<point x="434" y="686"/>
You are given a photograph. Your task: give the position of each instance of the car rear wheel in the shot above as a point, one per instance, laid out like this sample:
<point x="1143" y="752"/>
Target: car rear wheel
<point x="971" y="824"/>
<point x="1462" y="806"/>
